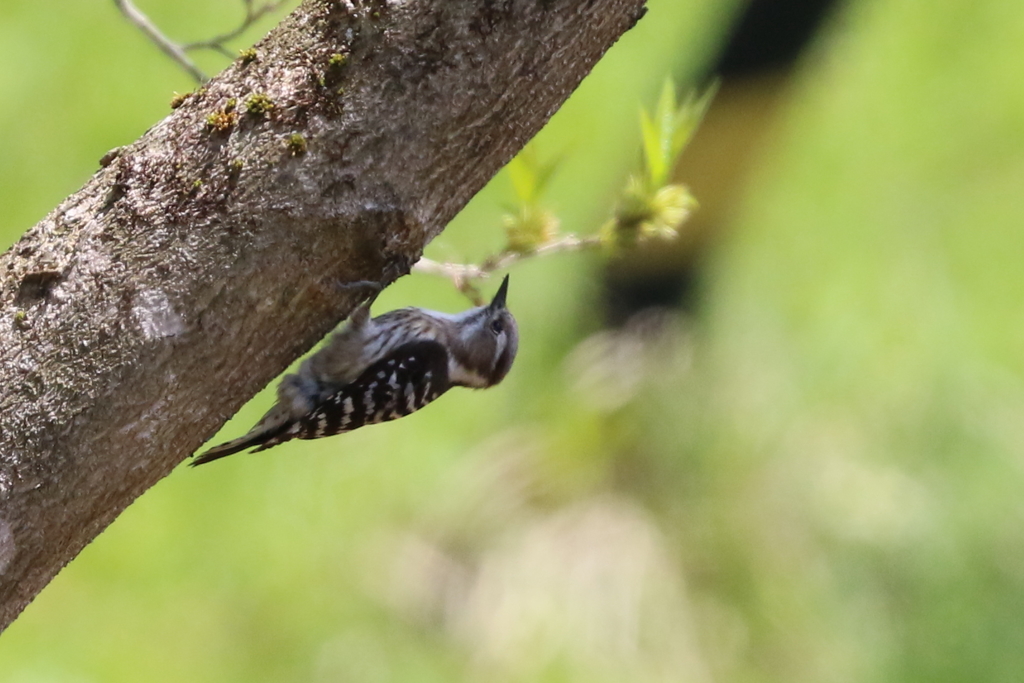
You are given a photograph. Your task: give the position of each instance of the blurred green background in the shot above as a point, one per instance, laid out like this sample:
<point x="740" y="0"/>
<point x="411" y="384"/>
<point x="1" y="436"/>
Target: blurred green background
<point x="816" y="476"/>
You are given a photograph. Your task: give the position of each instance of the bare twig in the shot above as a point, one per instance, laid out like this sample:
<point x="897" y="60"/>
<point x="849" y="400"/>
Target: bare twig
<point x="166" y="45"/>
<point x="252" y="15"/>
<point x="177" y="51"/>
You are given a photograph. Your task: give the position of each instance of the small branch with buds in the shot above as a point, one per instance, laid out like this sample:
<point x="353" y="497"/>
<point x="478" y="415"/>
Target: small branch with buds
<point x="650" y="207"/>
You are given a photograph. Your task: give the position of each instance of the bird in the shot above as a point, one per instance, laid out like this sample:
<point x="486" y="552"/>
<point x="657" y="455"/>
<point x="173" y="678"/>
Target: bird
<point x="375" y="370"/>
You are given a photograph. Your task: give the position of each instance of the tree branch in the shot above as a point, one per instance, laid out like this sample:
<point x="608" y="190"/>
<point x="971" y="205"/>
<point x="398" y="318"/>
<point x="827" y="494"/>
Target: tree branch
<point x="202" y="259"/>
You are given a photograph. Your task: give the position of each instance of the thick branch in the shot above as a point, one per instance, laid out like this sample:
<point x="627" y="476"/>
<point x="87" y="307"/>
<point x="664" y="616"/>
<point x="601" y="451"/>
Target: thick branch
<point x="203" y="258"/>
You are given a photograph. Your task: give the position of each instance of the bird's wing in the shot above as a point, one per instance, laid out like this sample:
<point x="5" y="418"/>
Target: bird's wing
<point x="402" y="382"/>
<point x="405" y="380"/>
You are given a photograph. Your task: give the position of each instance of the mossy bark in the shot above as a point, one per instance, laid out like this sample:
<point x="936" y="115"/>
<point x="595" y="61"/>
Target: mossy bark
<point x="202" y="259"/>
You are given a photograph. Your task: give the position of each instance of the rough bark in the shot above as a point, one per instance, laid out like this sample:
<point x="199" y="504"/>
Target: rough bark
<point x="202" y="259"/>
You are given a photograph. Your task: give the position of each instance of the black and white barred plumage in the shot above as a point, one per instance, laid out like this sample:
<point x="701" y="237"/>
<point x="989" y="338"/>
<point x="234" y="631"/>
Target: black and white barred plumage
<point x="380" y="369"/>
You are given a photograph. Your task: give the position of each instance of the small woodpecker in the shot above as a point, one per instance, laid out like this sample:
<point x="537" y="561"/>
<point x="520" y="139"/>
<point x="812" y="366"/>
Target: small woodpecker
<point x="380" y="369"/>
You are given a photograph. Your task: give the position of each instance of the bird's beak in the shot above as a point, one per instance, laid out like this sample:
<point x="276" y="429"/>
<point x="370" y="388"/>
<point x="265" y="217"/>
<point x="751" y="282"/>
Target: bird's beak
<point x="499" y="298"/>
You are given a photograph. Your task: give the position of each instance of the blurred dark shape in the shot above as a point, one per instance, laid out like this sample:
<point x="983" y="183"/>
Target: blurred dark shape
<point x="770" y="34"/>
<point x="755" y="68"/>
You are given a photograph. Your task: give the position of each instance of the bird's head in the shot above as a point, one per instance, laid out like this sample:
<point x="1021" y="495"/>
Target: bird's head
<point x="487" y="343"/>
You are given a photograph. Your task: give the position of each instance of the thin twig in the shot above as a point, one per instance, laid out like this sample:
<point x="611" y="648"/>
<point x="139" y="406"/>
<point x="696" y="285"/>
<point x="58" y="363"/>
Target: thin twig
<point x="166" y="45"/>
<point x="251" y="17"/>
<point x="177" y="51"/>
<point x="465" y="276"/>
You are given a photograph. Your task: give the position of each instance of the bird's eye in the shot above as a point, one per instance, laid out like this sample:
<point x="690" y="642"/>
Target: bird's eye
<point x="497" y="326"/>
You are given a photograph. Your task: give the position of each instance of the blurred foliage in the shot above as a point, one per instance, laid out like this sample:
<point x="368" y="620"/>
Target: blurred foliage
<point x="649" y="209"/>
<point x="817" y="479"/>
<point x="528" y="223"/>
<point x="666" y="133"/>
<point x="652" y="207"/>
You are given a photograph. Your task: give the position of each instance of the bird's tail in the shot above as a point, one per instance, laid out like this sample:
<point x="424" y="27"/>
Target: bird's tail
<point x="267" y="433"/>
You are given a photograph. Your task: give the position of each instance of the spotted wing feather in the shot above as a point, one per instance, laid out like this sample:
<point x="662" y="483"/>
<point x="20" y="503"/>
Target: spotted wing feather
<point x="401" y="383"/>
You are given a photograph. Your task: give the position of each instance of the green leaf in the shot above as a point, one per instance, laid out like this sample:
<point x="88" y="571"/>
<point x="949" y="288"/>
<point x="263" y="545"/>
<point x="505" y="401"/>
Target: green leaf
<point x="524" y="181"/>
<point x="666" y="133"/>
<point x="652" y="148"/>
<point x="691" y="113"/>
<point x="530" y="176"/>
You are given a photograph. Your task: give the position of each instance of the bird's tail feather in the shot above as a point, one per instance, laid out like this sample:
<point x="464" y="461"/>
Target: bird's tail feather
<point x="262" y="437"/>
